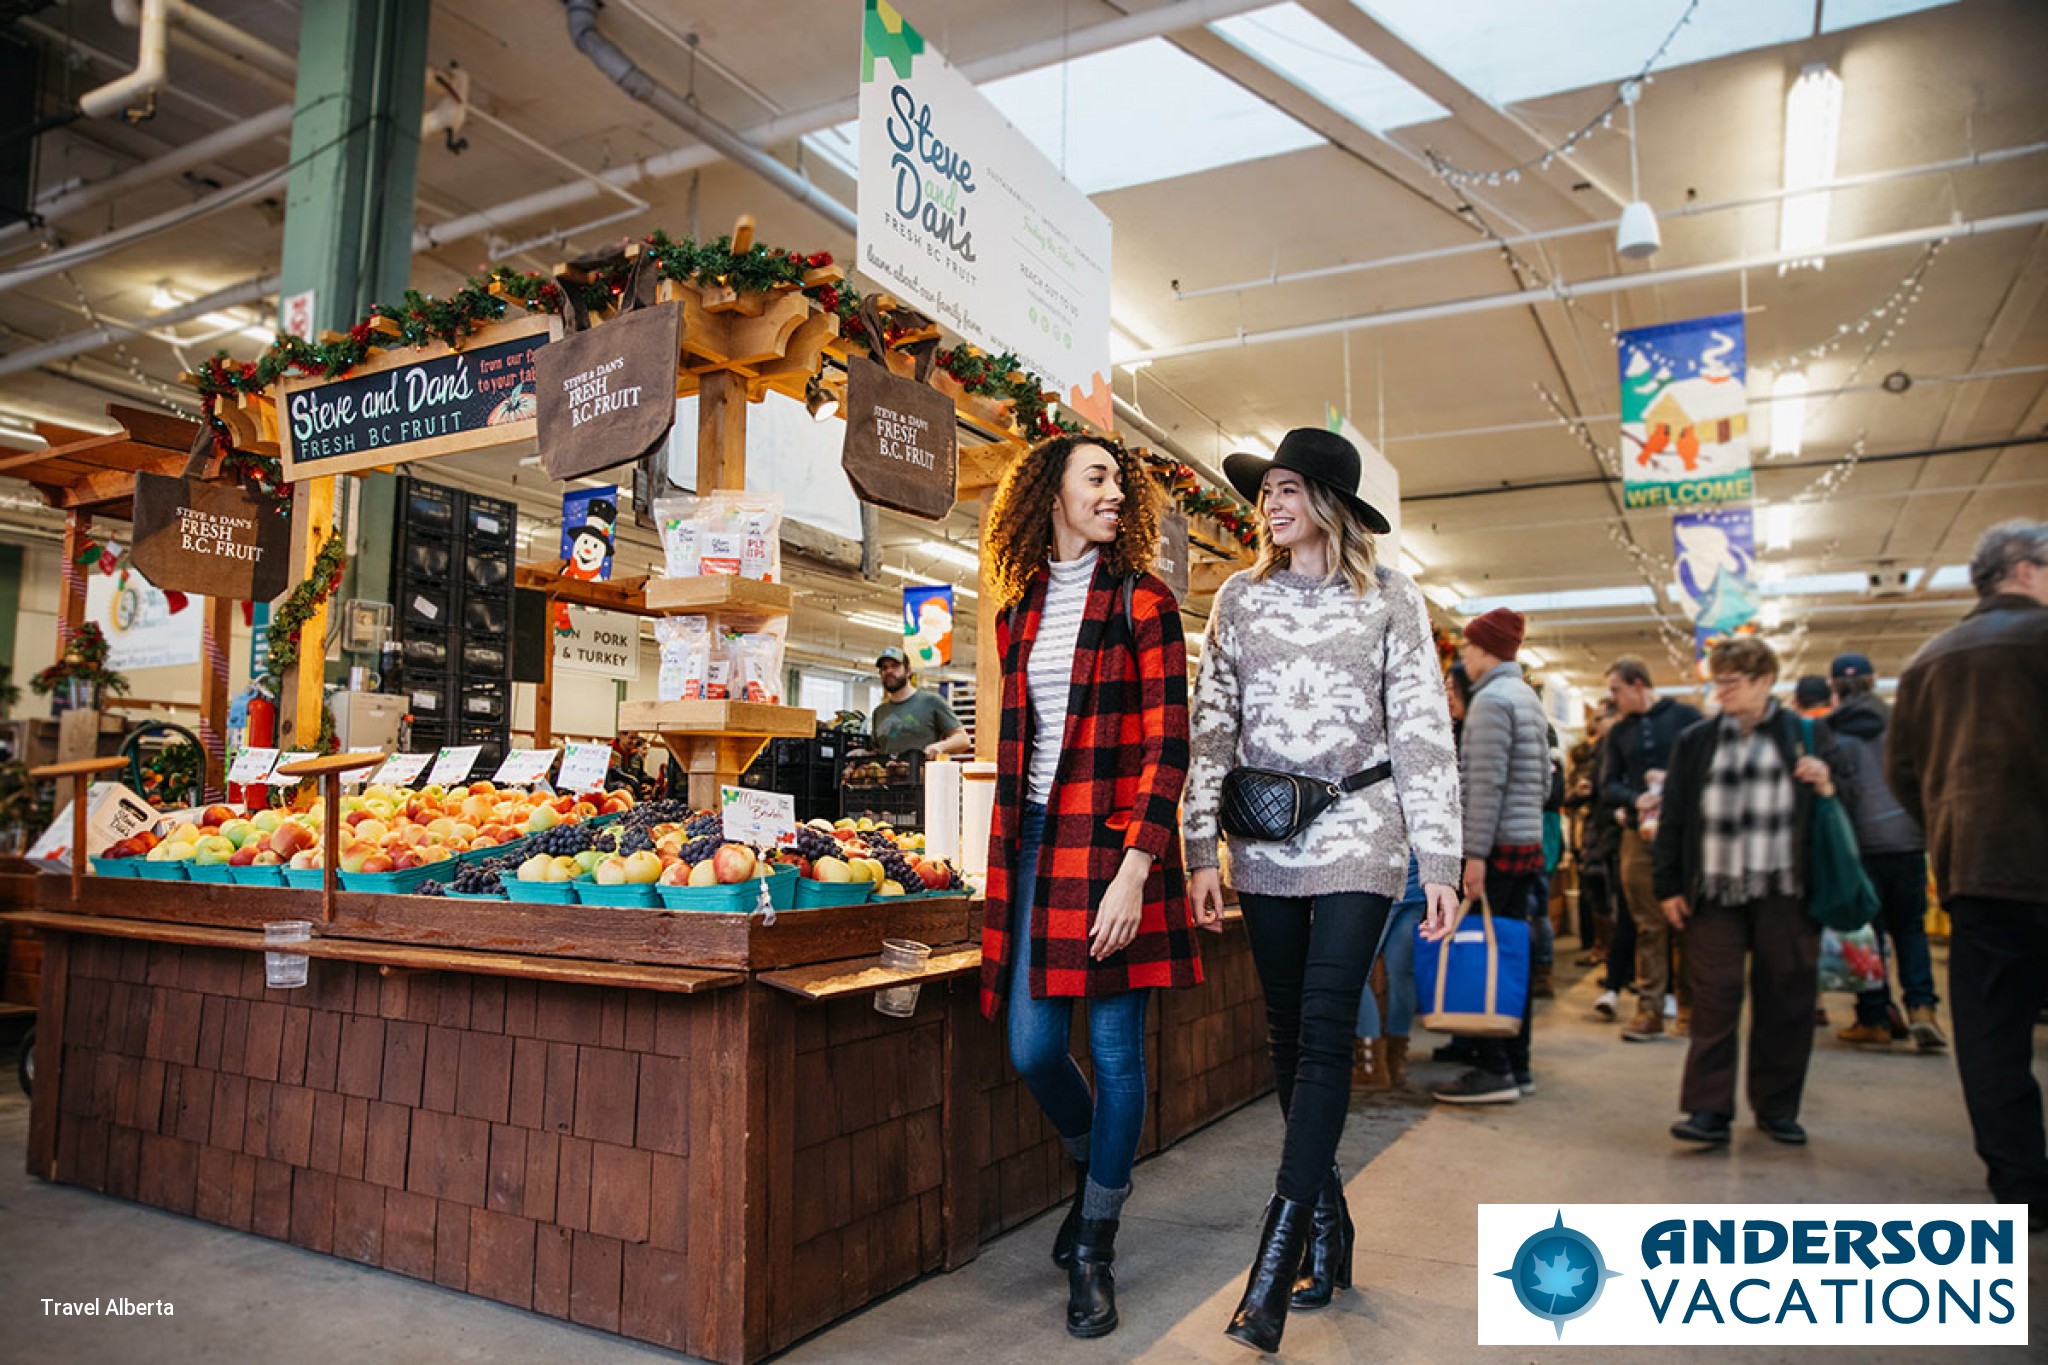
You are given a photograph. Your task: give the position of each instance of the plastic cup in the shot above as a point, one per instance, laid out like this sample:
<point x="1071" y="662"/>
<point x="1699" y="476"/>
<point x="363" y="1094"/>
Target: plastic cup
<point x="901" y="955"/>
<point x="285" y="971"/>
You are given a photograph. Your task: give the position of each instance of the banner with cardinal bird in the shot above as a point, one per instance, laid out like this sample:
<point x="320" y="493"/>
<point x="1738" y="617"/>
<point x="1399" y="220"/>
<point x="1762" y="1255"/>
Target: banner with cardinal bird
<point x="1685" y="414"/>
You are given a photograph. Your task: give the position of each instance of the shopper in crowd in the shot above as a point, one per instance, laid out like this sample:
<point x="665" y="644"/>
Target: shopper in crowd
<point x="1086" y="896"/>
<point x="1397" y="955"/>
<point x="1504" y="767"/>
<point x="1732" y="870"/>
<point x="1638" y="753"/>
<point x="1895" y="857"/>
<point x="1604" y="852"/>
<point x="1319" y="662"/>
<point x="1542" y="927"/>
<point x="1593" y="839"/>
<point x="911" y="719"/>
<point x="1812" y="697"/>
<point x="1967" y="754"/>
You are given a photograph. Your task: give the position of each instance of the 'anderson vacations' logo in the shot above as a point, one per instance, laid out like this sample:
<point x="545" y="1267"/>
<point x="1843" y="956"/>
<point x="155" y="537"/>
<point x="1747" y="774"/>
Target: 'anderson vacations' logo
<point x="1753" y="1274"/>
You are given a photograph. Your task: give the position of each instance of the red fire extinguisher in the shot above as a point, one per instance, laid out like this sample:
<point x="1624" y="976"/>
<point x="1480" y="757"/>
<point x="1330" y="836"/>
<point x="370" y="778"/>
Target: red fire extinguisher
<point x="259" y="732"/>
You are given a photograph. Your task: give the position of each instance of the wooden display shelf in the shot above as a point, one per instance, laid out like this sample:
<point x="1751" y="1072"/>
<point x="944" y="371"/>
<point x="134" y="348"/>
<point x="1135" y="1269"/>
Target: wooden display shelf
<point x="739" y="718"/>
<point x="620" y="594"/>
<point x="860" y="975"/>
<point x="731" y="598"/>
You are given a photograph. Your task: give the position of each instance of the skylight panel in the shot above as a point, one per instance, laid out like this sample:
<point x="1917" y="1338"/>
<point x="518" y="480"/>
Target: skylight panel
<point x="1139" y="113"/>
<point x="1836" y="15"/>
<point x="1293" y="43"/>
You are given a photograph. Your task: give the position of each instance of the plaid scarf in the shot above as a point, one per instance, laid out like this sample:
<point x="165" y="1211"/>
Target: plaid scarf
<point x="1747" y="812"/>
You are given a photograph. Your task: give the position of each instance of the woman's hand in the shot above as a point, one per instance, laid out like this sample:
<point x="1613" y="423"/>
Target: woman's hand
<point x="1443" y="909"/>
<point x="1676" y="910"/>
<point x="1814" y="773"/>
<point x="1205" y="899"/>
<point x="1123" y="906"/>
<point x="1475" y="878"/>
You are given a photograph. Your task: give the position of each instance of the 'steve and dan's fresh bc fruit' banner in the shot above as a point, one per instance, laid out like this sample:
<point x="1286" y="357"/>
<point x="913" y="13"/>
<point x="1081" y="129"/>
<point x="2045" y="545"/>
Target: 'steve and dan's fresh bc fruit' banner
<point x="414" y="404"/>
<point x="962" y="218"/>
<point x="1684" y="414"/>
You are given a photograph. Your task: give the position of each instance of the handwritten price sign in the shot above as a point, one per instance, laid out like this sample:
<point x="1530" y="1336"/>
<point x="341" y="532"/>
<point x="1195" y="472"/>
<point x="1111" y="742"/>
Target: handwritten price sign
<point x="760" y="818"/>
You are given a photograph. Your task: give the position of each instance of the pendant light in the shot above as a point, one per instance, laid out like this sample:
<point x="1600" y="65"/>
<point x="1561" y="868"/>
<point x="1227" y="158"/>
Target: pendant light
<point x="1636" y="235"/>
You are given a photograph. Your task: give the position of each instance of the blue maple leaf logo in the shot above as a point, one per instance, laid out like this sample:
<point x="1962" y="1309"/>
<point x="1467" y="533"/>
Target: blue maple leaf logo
<point x="1556" y="1278"/>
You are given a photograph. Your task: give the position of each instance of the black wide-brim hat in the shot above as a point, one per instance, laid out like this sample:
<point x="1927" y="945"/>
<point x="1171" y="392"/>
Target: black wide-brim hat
<point x="1313" y="453"/>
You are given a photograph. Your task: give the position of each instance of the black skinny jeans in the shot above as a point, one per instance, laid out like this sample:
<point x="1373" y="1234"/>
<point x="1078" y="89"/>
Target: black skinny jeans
<point x="1314" y="954"/>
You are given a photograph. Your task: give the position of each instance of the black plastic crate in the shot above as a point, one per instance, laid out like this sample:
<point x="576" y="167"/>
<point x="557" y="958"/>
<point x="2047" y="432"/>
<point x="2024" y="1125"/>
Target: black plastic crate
<point x="485" y="659"/>
<point x="490" y="521"/>
<point x="428" y="737"/>
<point x="427" y="604"/>
<point x="427" y="506"/>
<point x="488" y="614"/>
<point x="423" y="559"/>
<point x="494" y="740"/>
<point x="425" y="649"/>
<point x="487" y="569"/>
<point x="429" y="694"/>
<point x="484" y="703"/>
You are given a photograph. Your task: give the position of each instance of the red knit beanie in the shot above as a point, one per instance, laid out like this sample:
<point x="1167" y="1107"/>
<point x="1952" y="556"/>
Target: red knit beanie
<point x="1499" y="632"/>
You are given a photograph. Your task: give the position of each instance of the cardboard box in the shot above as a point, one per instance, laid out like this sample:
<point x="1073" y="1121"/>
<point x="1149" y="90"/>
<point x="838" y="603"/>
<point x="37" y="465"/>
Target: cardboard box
<point x="112" y="813"/>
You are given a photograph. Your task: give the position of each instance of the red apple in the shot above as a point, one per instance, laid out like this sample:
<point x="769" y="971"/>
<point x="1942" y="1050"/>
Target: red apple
<point x="219" y="815"/>
<point x="290" y="837"/>
<point x="676" y="873"/>
<point x="244" y="856"/>
<point x="733" y="863"/>
<point x="377" y="861"/>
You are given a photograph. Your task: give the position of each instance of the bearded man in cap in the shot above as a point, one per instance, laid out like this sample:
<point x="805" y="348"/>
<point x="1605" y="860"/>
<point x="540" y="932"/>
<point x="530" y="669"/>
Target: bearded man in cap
<point x="1504" y="766"/>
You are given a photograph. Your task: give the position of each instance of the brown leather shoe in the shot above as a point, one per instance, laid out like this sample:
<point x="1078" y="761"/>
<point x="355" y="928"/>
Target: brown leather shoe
<point x="1397" y="1060"/>
<point x="1646" y="1027"/>
<point x="1681" y="1027"/>
<point x="1539" y="983"/>
<point x="1368" y="1065"/>
<point x="1866" y="1035"/>
<point x="1926" y="1032"/>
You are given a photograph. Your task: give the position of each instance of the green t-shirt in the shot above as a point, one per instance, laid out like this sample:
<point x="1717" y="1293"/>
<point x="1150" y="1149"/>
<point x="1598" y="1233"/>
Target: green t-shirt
<point x="901" y="726"/>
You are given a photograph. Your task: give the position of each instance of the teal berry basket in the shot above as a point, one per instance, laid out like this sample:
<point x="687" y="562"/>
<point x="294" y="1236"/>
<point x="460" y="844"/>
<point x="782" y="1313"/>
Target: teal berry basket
<point x="626" y="896"/>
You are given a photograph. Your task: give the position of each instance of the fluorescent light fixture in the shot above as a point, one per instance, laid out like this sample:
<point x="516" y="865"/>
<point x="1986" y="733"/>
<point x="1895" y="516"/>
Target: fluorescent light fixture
<point x="1534" y="659"/>
<point x="1818" y="585"/>
<point x="910" y="576"/>
<point x="1788" y="414"/>
<point x="1813" y="135"/>
<point x="1949" y="578"/>
<point x="161" y="298"/>
<point x="1412" y="566"/>
<point x="1292" y="43"/>
<point x="1445" y="595"/>
<point x="952" y="554"/>
<point x="1771" y="616"/>
<point x="874" y="620"/>
<point x="1638" y="595"/>
<point x="1770" y="573"/>
<point x="1776" y="524"/>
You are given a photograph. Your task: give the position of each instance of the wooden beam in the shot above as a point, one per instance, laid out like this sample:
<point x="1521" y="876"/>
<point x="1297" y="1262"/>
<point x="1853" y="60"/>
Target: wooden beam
<point x="298" y="703"/>
<point x="1206" y="576"/>
<point x="216" y="644"/>
<point x="988" y="664"/>
<point x="721" y="432"/>
<point x="71" y="580"/>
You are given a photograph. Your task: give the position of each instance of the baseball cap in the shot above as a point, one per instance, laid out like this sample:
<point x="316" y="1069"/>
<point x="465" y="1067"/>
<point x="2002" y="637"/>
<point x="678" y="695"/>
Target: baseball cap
<point x="1851" y="666"/>
<point x="891" y="655"/>
<point x="1811" y="690"/>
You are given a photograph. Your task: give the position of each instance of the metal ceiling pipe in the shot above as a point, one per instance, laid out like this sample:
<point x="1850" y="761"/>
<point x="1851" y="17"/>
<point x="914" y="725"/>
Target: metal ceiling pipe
<point x="216" y="35"/>
<point x="1611" y="284"/>
<point x="56" y="262"/>
<point x="612" y="60"/>
<point x="106" y="333"/>
<point x="1138" y="421"/>
<point x="151" y="63"/>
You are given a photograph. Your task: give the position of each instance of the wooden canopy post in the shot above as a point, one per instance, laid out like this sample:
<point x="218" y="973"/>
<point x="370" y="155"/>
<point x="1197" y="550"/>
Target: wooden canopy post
<point x="216" y="641"/>
<point x="301" y="689"/>
<point x="329" y="770"/>
<point x="81" y="772"/>
<point x="71" y="589"/>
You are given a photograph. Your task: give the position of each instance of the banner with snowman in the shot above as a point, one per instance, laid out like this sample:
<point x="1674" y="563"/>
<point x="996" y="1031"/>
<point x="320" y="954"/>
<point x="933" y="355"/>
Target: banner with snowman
<point x="1715" y="561"/>
<point x="1685" y="414"/>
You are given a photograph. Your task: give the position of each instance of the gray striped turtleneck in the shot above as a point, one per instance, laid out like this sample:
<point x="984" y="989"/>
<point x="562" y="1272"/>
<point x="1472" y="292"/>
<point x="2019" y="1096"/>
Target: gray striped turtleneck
<point x="1049" y="672"/>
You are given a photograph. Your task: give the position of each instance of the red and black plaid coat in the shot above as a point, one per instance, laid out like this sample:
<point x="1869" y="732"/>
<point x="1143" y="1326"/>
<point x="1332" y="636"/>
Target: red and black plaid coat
<point x="1123" y="762"/>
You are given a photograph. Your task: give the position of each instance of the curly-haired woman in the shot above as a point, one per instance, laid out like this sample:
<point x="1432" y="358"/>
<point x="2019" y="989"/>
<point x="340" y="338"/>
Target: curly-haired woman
<point x="1319" y="662"/>
<point x="1086" y="898"/>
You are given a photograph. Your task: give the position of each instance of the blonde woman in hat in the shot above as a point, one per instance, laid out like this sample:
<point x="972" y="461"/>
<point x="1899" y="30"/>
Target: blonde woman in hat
<point x="1318" y="661"/>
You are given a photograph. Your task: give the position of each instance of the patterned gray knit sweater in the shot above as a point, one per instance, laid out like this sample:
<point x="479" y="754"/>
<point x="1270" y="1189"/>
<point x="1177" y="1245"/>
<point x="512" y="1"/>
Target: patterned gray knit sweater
<point x="1293" y="675"/>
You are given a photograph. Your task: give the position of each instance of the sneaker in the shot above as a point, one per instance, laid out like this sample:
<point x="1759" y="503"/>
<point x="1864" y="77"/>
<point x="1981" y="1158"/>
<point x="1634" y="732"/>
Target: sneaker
<point x="1525" y="1082"/>
<point x="1782" y="1130"/>
<point x="1708" y="1129"/>
<point x="1604" y="1006"/>
<point x="1670" y="1006"/>
<point x="1866" y="1035"/>
<point x="1681" y="1027"/>
<point x="1926" y="1033"/>
<point x="1896" y="1022"/>
<point x="1644" y="1028"/>
<point x="1479" y="1087"/>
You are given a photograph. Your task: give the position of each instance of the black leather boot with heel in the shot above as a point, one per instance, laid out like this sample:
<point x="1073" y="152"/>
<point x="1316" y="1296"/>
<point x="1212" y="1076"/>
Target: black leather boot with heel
<point x="1070" y="1226"/>
<point x="1091" y="1280"/>
<point x="1261" y="1315"/>
<point x="1326" y="1267"/>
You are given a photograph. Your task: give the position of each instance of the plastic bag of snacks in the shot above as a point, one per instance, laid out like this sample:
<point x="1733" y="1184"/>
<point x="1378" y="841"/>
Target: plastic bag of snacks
<point x="685" y="657"/>
<point x="743" y="535"/>
<point x="682" y="534"/>
<point x="756" y="666"/>
<point x="718" y="676"/>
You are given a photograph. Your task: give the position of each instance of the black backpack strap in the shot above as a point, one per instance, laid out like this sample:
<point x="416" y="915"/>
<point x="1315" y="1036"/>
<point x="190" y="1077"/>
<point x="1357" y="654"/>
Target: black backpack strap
<point x="1359" y="781"/>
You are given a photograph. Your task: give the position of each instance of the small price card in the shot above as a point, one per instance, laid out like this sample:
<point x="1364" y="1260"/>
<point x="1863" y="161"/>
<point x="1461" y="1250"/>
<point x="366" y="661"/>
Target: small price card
<point x="583" y="767"/>
<point x="278" y="779"/>
<point x="402" y="770"/>
<point x="252" y="766"/>
<point x="760" y="818"/>
<point x="452" y="766"/>
<point x="525" y="767"/>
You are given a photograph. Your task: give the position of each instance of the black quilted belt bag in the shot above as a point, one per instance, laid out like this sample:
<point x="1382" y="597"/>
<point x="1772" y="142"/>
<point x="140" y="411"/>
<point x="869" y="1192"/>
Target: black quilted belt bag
<point x="1271" y="807"/>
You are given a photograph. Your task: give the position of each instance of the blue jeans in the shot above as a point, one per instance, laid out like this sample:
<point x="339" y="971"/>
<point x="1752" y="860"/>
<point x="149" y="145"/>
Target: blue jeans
<point x="1397" y="950"/>
<point x="1114" y="1117"/>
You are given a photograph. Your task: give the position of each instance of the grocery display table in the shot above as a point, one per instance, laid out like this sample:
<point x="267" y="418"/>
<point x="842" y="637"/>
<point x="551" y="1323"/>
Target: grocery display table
<point x="690" y="1129"/>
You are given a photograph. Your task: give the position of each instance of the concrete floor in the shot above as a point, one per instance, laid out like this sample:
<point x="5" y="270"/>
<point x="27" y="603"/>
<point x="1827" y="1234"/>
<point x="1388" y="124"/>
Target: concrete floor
<point x="1886" y="1128"/>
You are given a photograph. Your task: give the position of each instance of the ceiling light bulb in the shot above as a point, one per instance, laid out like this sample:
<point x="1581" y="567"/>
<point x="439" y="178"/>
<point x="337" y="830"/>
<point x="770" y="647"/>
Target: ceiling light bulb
<point x="1813" y="134"/>
<point x="1788" y="414"/>
<point x="821" y="402"/>
<point x="162" y="298"/>
<point x="1778" y="525"/>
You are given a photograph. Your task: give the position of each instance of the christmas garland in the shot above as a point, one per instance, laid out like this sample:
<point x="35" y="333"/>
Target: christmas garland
<point x="85" y="660"/>
<point x="1196" y="499"/>
<point x="291" y="615"/>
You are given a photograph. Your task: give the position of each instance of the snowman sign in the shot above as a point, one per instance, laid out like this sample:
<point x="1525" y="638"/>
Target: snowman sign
<point x="589" y="517"/>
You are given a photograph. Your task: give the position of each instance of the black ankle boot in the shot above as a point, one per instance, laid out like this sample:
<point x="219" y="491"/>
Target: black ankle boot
<point x="1070" y="1226"/>
<point x="1326" y="1267"/>
<point x="1261" y="1315"/>
<point x="1091" y="1281"/>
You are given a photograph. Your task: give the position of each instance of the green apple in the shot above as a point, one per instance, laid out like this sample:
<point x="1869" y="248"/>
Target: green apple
<point x="212" y="850"/>
<point x="265" y="820"/>
<point x="644" y="868"/>
<point x="588" y="861"/>
<point x="543" y="818"/>
<point x="237" y="832"/>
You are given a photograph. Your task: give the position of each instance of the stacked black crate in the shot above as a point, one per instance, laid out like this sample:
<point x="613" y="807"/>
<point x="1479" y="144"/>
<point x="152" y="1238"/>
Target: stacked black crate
<point x="424" y="610"/>
<point x="484" y="662"/>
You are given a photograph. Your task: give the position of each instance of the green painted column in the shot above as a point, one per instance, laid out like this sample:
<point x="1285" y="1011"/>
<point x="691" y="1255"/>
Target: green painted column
<point x="347" y="236"/>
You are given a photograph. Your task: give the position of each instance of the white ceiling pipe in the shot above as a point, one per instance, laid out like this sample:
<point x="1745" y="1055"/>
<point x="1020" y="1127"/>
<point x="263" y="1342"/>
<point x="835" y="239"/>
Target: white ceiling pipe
<point x="1489" y="246"/>
<point x="57" y="207"/>
<point x="107" y="333"/>
<point x="1563" y="289"/>
<point x="152" y="44"/>
<point x="56" y="262"/>
<point x="216" y="34"/>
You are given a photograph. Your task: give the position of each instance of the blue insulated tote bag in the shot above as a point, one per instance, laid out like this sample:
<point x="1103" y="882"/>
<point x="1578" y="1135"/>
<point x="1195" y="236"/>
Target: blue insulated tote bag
<point x="1476" y="982"/>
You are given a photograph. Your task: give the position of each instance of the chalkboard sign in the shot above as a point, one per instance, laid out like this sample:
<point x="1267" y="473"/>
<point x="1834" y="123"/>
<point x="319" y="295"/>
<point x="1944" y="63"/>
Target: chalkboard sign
<point x="407" y="405"/>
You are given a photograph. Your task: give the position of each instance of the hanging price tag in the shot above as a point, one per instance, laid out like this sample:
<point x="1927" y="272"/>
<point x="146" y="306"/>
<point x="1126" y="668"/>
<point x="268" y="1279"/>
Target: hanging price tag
<point x="452" y="767"/>
<point x="760" y="818"/>
<point x="278" y="779"/>
<point x="252" y="766"/>
<point x="525" y="767"/>
<point x="402" y="770"/>
<point x="583" y="767"/>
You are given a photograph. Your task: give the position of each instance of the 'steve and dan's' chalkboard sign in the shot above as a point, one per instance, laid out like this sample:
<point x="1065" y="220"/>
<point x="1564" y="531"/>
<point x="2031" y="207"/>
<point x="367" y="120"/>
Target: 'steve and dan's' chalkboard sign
<point x="406" y="405"/>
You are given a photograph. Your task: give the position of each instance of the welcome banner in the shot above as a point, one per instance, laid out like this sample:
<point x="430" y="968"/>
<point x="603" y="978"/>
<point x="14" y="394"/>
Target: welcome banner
<point x="1685" y="414"/>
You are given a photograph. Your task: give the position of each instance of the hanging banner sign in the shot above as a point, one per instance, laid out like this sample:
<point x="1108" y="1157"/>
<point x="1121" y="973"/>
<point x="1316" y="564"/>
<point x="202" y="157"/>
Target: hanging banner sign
<point x="597" y="642"/>
<point x="900" y="449"/>
<point x="607" y="395"/>
<point x="141" y="629"/>
<point x="406" y="404"/>
<point x="1715" y="551"/>
<point x="212" y="539"/>
<point x="928" y="625"/>
<point x="1171" y="563"/>
<point x="963" y="219"/>
<point x="1685" y="414"/>
<point x="589" y="516"/>
<point x="583" y="767"/>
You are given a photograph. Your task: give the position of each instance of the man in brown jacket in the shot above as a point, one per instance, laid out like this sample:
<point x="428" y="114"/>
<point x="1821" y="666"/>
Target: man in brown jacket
<point x="1967" y="756"/>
